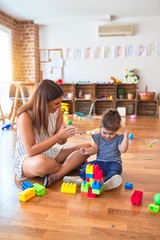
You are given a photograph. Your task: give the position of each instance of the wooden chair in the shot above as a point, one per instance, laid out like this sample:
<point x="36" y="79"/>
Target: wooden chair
<point x="2" y="116"/>
<point x="12" y="93"/>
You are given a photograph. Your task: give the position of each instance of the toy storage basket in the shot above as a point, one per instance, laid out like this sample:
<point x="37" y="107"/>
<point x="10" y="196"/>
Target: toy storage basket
<point x="147" y="95"/>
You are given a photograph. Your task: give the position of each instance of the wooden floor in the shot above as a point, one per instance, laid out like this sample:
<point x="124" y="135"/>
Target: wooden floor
<point x="65" y="216"/>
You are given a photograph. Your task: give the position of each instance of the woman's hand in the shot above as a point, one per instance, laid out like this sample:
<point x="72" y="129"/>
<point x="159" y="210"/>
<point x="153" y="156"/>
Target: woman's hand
<point x="66" y="131"/>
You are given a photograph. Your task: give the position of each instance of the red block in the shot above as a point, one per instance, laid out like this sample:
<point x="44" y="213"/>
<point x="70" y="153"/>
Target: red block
<point x="136" y="197"/>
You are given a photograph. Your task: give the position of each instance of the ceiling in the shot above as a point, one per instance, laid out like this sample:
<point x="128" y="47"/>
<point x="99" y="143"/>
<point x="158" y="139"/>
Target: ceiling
<point x="49" y="11"/>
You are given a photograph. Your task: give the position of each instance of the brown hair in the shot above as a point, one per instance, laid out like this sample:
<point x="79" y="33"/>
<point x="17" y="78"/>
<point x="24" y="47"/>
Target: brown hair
<point x="111" y="119"/>
<point x="46" y="91"/>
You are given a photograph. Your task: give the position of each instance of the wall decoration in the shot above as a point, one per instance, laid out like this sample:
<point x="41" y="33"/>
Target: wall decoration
<point x="79" y="53"/>
<point x="119" y="51"/>
<point x="109" y="52"/>
<point x="130" y="51"/>
<point x="99" y="52"/>
<point x="89" y="53"/>
<point x="69" y="53"/>
<point x="55" y="53"/>
<point x="152" y="49"/>
<point x="44" y="55"/>
<point x="141" y="50"/>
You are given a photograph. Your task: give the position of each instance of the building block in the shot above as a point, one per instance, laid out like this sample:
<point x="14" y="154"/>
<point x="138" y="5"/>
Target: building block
<point x="136" y="197"/>
<point x="128" y="185"/>
<point x="7" y="126"/>
<point x="96" y="191"/>
<point x="84" y="194"/>
<point x="69" y="122"/>
<point x="96" y="185"/>
<point x="69" y="187"/>
<point x="153" y="207"/>
<point x="26" y="185"/>
<point x="27" y="194"/>
<point x="89" y="175"/>
<point x="89" y="169"/>
<point x="90" y="194"/>
<point x="85" y="187"/>
<point x="39" y="189"/>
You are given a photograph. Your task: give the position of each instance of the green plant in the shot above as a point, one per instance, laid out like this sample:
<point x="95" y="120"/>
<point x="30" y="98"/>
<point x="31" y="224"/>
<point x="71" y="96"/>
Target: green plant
<point x="131" y="91"/>
<point x="121" y="91"/>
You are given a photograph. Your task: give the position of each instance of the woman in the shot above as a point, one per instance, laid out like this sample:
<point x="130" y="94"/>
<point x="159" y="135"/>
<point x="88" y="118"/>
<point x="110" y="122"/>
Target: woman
<point x="41" y="134"/>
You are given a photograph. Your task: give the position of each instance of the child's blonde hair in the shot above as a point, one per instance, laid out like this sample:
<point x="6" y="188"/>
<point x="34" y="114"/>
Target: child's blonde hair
<point x="111" y="119"/>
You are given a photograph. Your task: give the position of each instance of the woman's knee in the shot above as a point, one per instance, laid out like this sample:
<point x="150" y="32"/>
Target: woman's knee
<point x="42" y="165"/>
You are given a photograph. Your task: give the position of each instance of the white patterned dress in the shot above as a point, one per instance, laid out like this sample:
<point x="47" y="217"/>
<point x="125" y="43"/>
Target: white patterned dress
<point x="21" y="153"/>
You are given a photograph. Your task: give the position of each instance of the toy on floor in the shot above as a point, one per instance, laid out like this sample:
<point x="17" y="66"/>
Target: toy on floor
<point x="155" y="207"/>
<point x="26" y="185"/>
<point x="128" y="185"/>
<point x="136" y="197"/>
<point x="69" y="188"/>
<point x="133" y="116"/>
<point x="7" y="126"/>
<point x="130" y="136"/>
<point x="30" y="190"/>
<point x="27" y="194"/>
<point x="93" y="185"/>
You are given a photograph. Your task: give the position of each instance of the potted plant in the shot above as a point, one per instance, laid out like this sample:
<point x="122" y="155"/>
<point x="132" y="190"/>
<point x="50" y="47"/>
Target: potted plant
<point x="121" y="93"/>
<point x="130" y="94"/>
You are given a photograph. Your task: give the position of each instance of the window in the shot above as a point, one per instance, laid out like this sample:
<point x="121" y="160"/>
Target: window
<point x="5" y="68"/>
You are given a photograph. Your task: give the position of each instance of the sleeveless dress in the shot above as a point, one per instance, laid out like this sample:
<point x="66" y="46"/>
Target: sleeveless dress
<point x="21" y="153"/>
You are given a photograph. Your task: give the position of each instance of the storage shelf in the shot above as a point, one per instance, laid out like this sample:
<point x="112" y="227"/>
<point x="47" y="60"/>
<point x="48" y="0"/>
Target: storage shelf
<point x="100" y="94"/>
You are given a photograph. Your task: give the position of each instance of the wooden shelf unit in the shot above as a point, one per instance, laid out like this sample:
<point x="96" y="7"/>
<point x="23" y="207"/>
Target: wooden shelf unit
<point x="147" y="108"/>
<point x="106" y="96"/>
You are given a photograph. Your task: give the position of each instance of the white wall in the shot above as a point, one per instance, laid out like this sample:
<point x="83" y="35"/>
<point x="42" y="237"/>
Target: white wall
<point x="85" y="34"/>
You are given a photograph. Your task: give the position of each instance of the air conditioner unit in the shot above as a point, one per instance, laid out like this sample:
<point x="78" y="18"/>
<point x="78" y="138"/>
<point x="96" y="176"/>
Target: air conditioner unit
<point x="115" y="30"/>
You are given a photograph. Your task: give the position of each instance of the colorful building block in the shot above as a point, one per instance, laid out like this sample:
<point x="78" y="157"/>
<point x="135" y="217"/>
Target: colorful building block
<point x="85" y="186"/>
<point x="153" y="207"/>
<point x="69" y="187"/>
<point x="136" y="197"/>
<point x="27" y="194"/>
<point x="89" y="169"/>
<point x="91" y="194"/>
<point x="39" y="189"/>
<point x="7" y="126"/>
<point x="26" y="184"/>
<point x="128" y="185"/>
<point x="92" y="187"/>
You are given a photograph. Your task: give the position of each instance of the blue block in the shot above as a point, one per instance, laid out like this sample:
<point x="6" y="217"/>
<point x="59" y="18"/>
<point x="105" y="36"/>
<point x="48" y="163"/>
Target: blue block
<point x="89" y="175"/>
<point x="96" y="185"/>
<point x="128" y="185"/>
<point x="26" y="185"/>
<point x="7" y="126"/>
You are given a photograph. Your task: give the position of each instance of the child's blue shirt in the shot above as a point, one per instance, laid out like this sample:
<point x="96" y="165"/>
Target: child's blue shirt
<point x="108" y="149"/>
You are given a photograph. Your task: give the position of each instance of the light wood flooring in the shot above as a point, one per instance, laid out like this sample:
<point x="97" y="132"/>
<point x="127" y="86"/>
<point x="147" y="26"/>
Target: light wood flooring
<point x="62" y="216"/>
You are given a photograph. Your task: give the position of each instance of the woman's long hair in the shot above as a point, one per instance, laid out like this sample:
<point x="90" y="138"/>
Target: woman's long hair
<point x="46" y="91"/>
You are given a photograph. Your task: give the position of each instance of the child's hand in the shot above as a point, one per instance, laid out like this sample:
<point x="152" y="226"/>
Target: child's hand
<point x="84" y="151"/>
<point x="125" y="132"/>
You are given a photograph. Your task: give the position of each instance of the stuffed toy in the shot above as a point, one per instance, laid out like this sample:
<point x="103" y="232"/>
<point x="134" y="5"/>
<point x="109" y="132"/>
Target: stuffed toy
<point x="131" y="76"/>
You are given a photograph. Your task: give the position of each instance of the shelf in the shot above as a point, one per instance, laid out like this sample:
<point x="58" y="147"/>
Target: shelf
<point x="100" y="93"/>
<point x="147" y="108"/>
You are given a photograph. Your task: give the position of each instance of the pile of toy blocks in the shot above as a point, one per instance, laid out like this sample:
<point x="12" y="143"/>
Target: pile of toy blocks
<point x="93" y="184"/>
<point x="30" y="190"/>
